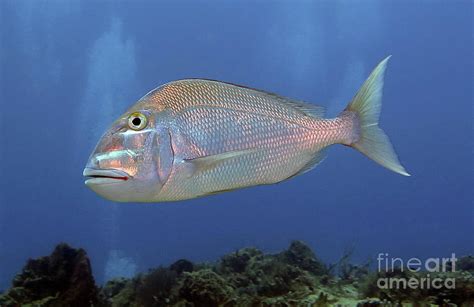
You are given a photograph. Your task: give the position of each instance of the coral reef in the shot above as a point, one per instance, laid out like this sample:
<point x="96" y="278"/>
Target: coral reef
<point x="62" y="279"/>
<point x="246" y="277"/>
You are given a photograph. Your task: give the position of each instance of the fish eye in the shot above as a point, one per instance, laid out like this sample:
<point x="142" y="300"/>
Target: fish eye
<point x="137" y="121"/>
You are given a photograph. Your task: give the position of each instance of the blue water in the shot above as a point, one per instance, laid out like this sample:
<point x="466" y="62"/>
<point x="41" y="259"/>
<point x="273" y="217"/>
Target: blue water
<point x="68" y="68"/>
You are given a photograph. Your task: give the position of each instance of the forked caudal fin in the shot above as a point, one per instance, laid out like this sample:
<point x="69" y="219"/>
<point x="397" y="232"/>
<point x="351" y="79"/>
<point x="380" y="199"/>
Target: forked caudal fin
<point x="373" y="142"/>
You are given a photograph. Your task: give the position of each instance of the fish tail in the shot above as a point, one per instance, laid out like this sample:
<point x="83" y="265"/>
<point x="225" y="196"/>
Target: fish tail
<point x="368" y="138"/>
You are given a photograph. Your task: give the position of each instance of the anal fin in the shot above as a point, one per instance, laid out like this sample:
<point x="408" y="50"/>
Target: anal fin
<point x="316" y="159"/>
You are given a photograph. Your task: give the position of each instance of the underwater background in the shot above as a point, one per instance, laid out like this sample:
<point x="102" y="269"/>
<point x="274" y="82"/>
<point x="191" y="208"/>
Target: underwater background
<point x="69" y="68"/>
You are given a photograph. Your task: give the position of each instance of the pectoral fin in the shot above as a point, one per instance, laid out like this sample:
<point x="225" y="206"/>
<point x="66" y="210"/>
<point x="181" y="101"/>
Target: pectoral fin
<point x="209" y="162"/>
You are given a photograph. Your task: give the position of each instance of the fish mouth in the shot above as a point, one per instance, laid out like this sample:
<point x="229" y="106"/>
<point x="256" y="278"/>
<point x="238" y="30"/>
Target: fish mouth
<point x="104" y="176"/>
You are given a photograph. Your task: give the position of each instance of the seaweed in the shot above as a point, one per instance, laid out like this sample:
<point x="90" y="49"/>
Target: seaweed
<point x="154" y="289"/>
<point x="205" y="288"/>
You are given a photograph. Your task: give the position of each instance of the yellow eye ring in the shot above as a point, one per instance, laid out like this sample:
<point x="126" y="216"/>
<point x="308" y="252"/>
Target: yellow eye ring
<point x="137" y="121"/>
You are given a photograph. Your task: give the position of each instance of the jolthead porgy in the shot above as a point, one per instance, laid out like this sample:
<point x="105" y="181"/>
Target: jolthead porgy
<point x="195" y="137"/>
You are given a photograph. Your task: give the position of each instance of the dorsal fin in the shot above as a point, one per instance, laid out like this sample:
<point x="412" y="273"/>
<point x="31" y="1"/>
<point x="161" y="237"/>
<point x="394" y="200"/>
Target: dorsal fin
<point x="308" y="109"/>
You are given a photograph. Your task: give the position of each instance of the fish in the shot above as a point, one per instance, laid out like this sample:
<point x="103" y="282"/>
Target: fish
<point x="196" y="137"/>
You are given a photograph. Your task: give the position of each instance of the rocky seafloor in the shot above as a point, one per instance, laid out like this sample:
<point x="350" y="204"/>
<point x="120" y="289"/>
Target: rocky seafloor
<point x="247" y="277"/>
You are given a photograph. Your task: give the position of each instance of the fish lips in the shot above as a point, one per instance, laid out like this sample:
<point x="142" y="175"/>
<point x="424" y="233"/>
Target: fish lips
<point x="104" y="176"/>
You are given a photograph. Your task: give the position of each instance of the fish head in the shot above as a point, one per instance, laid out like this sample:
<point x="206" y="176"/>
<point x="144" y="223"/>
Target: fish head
<point x="124" y="165"/>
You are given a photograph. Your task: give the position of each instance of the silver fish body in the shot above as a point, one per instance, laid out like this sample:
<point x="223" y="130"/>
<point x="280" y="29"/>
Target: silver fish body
<point x="203" y="137"/>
